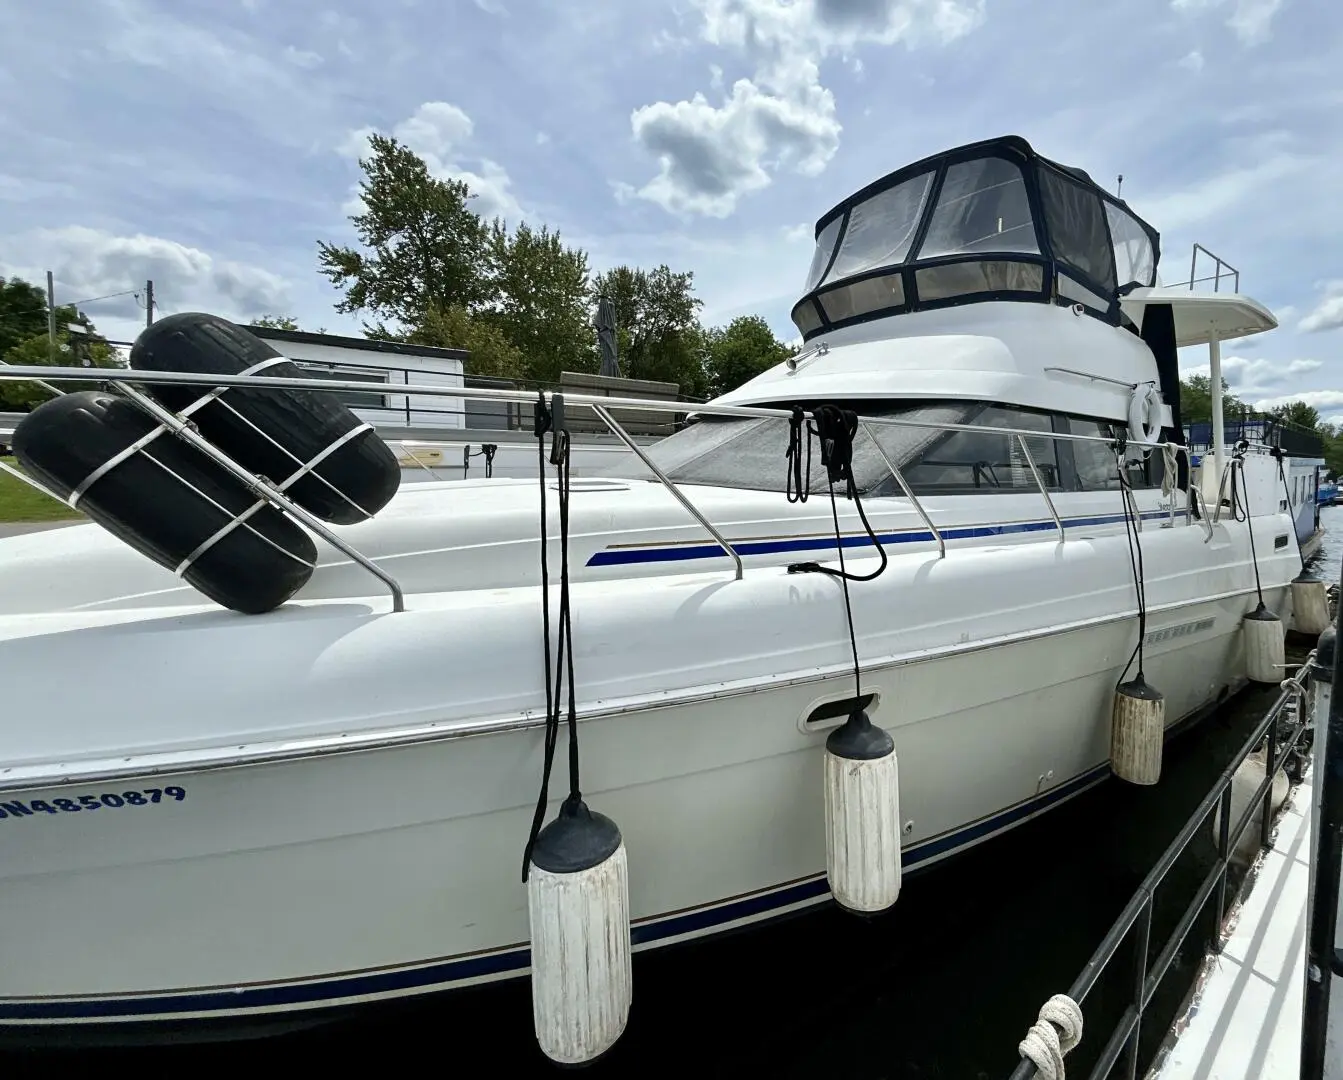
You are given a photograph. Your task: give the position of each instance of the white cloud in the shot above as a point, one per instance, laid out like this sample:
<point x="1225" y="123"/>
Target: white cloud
<point x="1192" y="61"/>
<point x="1219" y="193"/>
<point x="91" y="263"/>
<point x="437" y="132"/>
<point x="1328" y="313"/>
<point x="782" y="117"/>
<point x="1250" y="20"/>
<point x="1316" y="399"/>
<point x="302" y="58"/>
<point x="1249" y="376"/>
<point x="491" y="7"/>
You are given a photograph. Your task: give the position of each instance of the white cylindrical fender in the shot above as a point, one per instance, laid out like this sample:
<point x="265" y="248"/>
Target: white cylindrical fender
<point x="1310" y="605"/>
<point x="578" y="905"/>
<point x="1144" y="415"/>
<point x="862" y="816"/>
<point x="1265" y="646"/>
<point x="1137" y="732"/>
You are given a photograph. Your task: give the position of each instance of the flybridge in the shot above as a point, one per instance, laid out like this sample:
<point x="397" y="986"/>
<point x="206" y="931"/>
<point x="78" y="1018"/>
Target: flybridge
<point x="991" y="220"/>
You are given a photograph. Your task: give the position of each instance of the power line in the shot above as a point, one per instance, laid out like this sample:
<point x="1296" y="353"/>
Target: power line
<point x="73" y="303"/>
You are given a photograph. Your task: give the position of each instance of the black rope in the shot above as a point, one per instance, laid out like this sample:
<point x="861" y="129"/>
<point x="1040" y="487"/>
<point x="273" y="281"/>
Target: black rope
<point x="1240" y="510"/>
<point x="836" y="429"/>
<point x="798" y="483"/>
<point x="1287" y="494"/>
<point x="1135" y="563"/>
<point x="563" y="657"/>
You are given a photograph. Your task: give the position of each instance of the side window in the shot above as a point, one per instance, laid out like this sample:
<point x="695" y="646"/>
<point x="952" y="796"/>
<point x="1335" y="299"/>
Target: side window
<point x="1097" y="466"/>
<point x="982" y="462"/>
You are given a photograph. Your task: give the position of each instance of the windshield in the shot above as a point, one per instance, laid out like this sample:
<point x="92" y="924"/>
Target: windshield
<point x="752" y="453"/>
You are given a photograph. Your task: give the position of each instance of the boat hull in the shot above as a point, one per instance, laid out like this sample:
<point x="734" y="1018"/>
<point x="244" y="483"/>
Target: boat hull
<point x="345" y="878"/>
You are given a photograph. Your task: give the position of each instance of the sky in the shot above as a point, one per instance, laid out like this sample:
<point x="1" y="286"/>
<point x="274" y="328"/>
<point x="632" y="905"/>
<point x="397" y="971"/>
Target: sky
<point x="209" y="144"/>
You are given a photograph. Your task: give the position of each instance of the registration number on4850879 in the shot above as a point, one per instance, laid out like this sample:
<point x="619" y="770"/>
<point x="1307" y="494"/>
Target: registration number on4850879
<point x="110" y="800"/>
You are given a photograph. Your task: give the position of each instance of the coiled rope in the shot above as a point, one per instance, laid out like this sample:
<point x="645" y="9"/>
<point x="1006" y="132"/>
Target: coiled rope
<point x="1053" y="1035"/>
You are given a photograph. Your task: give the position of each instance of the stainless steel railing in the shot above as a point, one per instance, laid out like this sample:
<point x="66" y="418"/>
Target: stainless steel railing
<point x="127" y="383"/>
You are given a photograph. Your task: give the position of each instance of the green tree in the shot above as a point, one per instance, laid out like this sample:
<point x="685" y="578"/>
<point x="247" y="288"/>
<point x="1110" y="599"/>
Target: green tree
<point x="491" y="352"/>
<point x="542" y="303"/>
<point x="424" y="249"/>
<point x="658" y="327"/>
<point x="23" y="312"/>
<point x="1298" y="413"/>
<point x="89" y="349"/>
<point x="275" y="322"/>
<point x="740" y="351"/>
<point x="1196" y="400"/>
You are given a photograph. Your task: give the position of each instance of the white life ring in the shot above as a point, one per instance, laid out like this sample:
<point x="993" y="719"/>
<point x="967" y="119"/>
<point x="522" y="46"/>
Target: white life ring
<point x="1144" y="414"/>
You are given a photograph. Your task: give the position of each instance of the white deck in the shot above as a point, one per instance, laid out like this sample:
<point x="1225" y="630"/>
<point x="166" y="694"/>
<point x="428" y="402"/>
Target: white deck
<point x="1243" y="1019"/>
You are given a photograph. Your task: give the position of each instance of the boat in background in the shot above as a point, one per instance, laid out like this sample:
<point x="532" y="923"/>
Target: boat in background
<point x="1022" y="587"/>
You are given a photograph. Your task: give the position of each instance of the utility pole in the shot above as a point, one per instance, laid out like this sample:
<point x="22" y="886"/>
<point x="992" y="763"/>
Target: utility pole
<point x="149" y="303"/>
<point x="51" y="317"/>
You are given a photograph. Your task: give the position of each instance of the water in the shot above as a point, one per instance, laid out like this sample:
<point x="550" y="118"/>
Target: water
<point x="945" y="985"/>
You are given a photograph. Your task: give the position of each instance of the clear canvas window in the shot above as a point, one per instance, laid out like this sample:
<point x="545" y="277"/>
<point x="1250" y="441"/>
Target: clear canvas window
<point x="881" y="229"/>
<point x="1134" y="263"/>
<point x="825" y="246"/>
<point x="982" y="207"/>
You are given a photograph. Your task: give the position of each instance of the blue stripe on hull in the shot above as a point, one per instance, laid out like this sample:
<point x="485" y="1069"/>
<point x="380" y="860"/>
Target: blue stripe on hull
<point x="681" y="553"/>
<point x="439" y="976"/>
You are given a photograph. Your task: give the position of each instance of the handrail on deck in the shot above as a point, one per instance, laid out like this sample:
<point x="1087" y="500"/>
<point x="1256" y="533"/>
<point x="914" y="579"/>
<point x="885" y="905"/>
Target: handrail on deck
<point x="1137" y="912"/>
<point x="126" y="382"/>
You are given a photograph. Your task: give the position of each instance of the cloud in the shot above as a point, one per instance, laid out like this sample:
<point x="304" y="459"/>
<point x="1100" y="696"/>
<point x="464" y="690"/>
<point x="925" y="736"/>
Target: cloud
<point x="302" y="57"/>
<point x="492" y="7"/>
<point x="1316" y="399"/>
<point x="1220" y="192"/>
<point x="1192" y="61"/>
<point x="1328" y="313"/>
<point x="90" y="263"/>
<point x="1250" y="20"/>
<point x="437" y="132"/>
<point x="1248" y="376"/>
<point x="710" y="155"/>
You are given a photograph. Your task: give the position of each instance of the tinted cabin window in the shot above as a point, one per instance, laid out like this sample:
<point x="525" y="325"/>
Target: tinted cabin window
<point x="1075" y="218"/>
<point x="976" y="462"/>
<point x="1098" y="465"/>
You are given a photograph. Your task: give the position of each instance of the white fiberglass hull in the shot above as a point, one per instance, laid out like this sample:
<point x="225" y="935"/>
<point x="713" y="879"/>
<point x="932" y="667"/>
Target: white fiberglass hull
<point x="311" y="871"/>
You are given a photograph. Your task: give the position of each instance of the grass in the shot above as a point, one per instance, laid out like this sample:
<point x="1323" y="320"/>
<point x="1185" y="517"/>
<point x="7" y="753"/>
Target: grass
<point x="21" y="502"/>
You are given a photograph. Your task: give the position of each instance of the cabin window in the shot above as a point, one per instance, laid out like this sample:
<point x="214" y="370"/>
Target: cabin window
<point x="862" y="297"/>
<point x="982" y="207"/>
<point x="881" y="229"/>
<point x="969" y="278"/>
<point x="825" y="247"/>
<point x="752" y="454"/>
<point x="1097" y="465"/>
<point x="974" y="462"/>
<point x="1134" y="264"/>
<point x="1075" y="218"/>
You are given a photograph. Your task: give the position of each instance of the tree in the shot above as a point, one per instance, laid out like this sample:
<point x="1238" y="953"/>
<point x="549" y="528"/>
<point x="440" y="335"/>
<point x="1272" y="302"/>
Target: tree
<point x="23" y="312"/>
<point x="1298" y="413"/>
<point x="740" y="351"/>
<point x="542" y="300"/>
<point x="1196" y="400"/>
<point x="425" y="249"/>
<point x="275" y="322"/>
<point x="89" y="349"/>
<point x="491" y="353"/>
<point x="659" y="333"/>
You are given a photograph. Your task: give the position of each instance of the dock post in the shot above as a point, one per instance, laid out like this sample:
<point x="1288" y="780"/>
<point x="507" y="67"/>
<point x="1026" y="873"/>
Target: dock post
<point x="1322" y="962"/>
